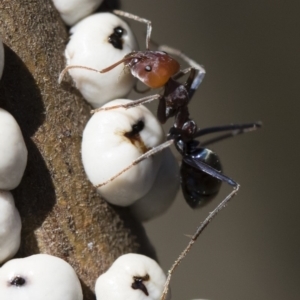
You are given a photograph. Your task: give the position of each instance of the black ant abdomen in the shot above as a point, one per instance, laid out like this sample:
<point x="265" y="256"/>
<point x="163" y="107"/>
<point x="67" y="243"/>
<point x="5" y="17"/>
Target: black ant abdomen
<point x="198" y="187"/>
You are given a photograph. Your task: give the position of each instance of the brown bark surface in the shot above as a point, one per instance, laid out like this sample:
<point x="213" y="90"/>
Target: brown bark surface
<point x="61" y="213"/>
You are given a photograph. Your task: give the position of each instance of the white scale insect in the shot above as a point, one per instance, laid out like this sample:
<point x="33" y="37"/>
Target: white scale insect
<point x="150" y="185"/>
<point x="39" y="277"/>
<point x="96" y="42"/>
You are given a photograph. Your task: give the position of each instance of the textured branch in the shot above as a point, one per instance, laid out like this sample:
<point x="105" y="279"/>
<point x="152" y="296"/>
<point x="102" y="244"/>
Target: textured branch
<point x="61" y="213"/>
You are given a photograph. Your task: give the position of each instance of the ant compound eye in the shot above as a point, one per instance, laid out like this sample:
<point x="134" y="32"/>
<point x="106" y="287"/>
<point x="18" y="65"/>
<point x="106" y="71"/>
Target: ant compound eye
<point x="10" y="221"/>
<point x="116" y="38"/>
<point x="36" y="277"/>
<point x="148" y="68"/>
<point x="98" y="42"/>
<point x="113" y="139"/>
<point x="72" y="11"/>
<point x="134" y="275"/>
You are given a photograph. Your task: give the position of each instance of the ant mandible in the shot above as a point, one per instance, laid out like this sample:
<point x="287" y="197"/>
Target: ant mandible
<point x="200" y="170"/>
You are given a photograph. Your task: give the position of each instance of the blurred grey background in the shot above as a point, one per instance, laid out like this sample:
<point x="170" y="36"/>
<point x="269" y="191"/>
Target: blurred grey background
<point x="250" y="50"/>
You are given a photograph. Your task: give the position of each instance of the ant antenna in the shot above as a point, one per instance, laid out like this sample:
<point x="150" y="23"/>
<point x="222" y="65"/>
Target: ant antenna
<point x="66" y="69"/>
<point x="199" y="230"/>
<point x="139" y="19"/>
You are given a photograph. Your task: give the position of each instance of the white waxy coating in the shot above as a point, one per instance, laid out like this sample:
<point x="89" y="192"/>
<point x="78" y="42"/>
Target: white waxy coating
<point x="106" y="151"/>
<point x="1" y="58"/>
<point x="71" y="11"/>
<point x="10" y="227"/>
<point x="116" y="283"/>
<point x="40" y="277"/>
<point x="13" y="152"/>
<point x="89" y="47"/>
<point x="163" y="192"/>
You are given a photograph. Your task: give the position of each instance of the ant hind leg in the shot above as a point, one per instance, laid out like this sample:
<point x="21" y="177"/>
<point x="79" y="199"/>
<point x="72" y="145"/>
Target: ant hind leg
<point x="138" y="160"/>
<point x="198" y="231"/>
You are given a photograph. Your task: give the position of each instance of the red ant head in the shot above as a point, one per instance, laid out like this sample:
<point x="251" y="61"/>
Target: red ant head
<point x="153" y="68"/>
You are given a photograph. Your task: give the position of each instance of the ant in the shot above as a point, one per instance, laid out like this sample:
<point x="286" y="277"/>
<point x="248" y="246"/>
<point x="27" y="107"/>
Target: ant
<point x="200" y="170"/>
<point x="201" y="175"/>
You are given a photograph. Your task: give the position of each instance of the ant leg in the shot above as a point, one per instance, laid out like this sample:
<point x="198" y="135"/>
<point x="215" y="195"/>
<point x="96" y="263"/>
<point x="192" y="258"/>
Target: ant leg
<point x="139" y="19"/>
<point x="129" y="105"/>
<point x="141" y="158"/>
<point x="235" y="129"/>
<point x="200" y="165"/>
<point x="199" y="230"/>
